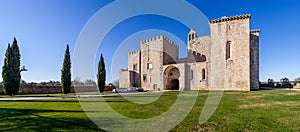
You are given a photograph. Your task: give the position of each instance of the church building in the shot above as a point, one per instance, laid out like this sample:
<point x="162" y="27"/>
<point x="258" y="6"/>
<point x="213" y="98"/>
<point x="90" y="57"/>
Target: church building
<point x="227" y="59"/>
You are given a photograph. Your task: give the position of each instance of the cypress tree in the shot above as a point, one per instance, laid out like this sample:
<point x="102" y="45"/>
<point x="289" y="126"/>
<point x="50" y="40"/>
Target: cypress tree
<point x="101" y="76"/>
<point x="16" y="77"/>
<point x="11" y="69"/>
<point x="66" y="73"/>
<point x="5" y="72"/>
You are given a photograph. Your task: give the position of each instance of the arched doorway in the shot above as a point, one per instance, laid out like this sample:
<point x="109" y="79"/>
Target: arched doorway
<point x="174" y="84"/>
<point x="172" y="78"/>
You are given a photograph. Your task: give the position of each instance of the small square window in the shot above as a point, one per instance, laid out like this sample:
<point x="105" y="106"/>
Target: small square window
<point x="135" y="67"/>
<point x="149" y="66"/>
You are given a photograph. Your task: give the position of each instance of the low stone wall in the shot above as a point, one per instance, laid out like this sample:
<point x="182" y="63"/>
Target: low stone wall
<point x="48" y="89"/>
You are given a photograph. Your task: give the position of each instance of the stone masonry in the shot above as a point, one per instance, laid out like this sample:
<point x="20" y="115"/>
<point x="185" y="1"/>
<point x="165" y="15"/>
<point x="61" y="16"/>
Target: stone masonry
<point x="227" y="59"/>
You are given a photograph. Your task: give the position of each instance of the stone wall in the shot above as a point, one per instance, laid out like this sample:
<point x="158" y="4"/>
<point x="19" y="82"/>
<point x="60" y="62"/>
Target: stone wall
<point x="254" y="60"/>
<point x="230" y="72"/>
<point x="134" y="68"/>
<point x="195" y="76"/>
<point x="50" y="89"/>
<point x="170" y="51"/>
<point x="152" y="54"/>
<point x="194" y="56"/>
<point x="202" y="46"/>
<point x="124" y="79"/>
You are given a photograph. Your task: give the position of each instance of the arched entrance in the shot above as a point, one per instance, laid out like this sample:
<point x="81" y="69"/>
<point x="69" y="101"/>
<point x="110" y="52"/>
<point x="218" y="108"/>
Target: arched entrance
<point x="174" y="84"/>
<point x="171" y="75"/>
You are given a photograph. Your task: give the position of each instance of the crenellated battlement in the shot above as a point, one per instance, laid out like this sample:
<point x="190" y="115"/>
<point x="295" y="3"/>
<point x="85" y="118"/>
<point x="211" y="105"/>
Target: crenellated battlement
<point x="191" y="52"/>
<point x="124" y="69"/>
<point x="151" y="39"/>
<point x="160" y="37"/>
<point x="170" y="41"/>
<point x="225" y="19"/>
<point x="134" y="52"/>
<point x="196" y="56"/>
<point x="255" y="31"/>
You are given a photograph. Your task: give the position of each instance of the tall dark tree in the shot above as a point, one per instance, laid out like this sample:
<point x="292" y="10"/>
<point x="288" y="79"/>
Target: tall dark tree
<point x="6" y="72"/>
<point x="101" y="76"/>
<point x="11" y="69"/>
<point x="66" y="72"/>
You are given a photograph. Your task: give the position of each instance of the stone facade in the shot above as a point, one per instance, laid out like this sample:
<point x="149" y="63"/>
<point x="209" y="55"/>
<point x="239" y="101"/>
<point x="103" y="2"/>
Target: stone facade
<point x="226" y="59"/>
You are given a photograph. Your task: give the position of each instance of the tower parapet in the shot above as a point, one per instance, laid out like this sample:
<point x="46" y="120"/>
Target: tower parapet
<point x="194" y="56"/>
<point x="151" y="39"/>
<point x="255" y="32"/>
<point x="160" y="37"/>
<point x="225" y="19"/>
<point x="134" y="52"/>
<point x="170" y="41"/>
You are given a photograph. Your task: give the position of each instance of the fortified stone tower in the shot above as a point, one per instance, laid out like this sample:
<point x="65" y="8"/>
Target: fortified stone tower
<point x="230" y="54"/>
<point x="134" y="68"/>
<point x="254" y="60"/>
<point x="155" y="53"/>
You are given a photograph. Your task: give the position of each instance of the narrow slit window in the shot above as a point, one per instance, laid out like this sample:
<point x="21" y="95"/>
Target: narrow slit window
<point x="145" y="77"/>
<point x="203" y="74"/>
<point x="228" y="46"/>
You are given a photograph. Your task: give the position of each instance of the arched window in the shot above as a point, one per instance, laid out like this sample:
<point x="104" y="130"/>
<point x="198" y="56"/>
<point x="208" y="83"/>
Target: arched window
<point x="203" y="74"/>
<point x="190" y="37"/>
<point x="228" y="50"/>
<point x="193" y="36"/>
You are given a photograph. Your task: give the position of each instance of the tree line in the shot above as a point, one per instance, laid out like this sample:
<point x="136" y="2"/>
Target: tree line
<point x="11" y="71"/>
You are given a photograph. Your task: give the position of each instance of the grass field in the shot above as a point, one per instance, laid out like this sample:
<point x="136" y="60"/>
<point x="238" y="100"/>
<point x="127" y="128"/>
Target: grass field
<point x="266" y="110"/>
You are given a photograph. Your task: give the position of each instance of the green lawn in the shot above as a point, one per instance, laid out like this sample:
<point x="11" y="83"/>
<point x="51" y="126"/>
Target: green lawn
<point x="271" y="110"/>
<point x="44" y="115"/>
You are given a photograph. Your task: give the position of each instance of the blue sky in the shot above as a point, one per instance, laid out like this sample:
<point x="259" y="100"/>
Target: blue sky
<point x="43" y="28"/>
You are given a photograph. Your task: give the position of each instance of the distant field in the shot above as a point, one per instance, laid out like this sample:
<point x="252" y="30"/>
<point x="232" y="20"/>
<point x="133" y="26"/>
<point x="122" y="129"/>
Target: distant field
<point x="266" y="110"/>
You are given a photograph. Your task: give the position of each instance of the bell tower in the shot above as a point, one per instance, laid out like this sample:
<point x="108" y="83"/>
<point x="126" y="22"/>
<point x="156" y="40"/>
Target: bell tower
<point x="191" y="39"/>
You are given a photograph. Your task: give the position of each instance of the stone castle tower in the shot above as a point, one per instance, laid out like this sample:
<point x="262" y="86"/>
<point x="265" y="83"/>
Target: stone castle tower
<point x="226" y="59"/>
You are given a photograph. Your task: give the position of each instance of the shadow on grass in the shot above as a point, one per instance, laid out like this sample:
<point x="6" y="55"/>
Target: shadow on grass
<point x="66" y="101"/>
<point x="32" y="120"/>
